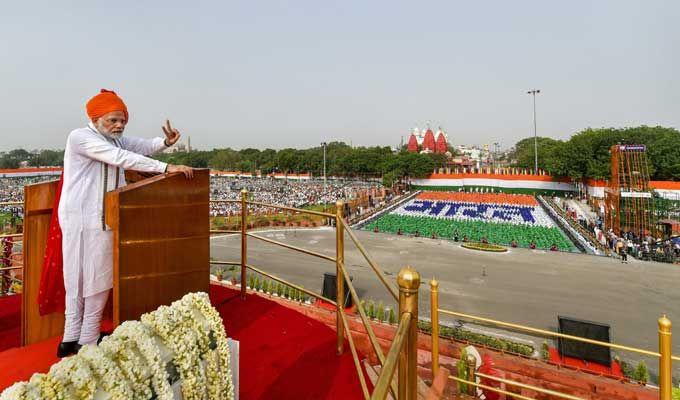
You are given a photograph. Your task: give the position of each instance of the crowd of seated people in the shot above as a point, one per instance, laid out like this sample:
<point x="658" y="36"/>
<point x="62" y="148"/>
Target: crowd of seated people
<point x="289" y="193"/>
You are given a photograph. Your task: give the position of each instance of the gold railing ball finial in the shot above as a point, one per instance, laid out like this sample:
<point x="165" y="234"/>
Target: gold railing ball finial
<point x="434" y="284"/>
<point x="408" y="278"/>
<point x="665" y="324"/>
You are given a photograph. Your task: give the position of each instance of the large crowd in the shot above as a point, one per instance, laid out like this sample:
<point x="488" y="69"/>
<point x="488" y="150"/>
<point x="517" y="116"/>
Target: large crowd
<point x="628" y="244"/>
<point x="283" y="192"/>
<point x="12" y="190"/>
<point x="643" y="247"/>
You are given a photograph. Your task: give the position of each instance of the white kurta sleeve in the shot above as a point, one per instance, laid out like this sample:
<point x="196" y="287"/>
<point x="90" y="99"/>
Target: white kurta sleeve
<point x="101" y="150"/>
<point x="143" y="146"/>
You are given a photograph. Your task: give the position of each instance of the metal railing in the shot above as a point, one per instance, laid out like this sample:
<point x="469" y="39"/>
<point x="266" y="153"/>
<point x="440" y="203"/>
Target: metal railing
<point x="6" y="279"/>
<point x="402" y="356"/>
<point x="664" y="354"/>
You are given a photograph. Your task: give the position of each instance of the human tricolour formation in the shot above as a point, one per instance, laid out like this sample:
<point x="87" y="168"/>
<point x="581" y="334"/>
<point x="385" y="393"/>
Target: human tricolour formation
<point x="496" y="217"/>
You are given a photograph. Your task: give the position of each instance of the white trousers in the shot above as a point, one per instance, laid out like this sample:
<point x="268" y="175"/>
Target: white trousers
<point x="83" y="317"/>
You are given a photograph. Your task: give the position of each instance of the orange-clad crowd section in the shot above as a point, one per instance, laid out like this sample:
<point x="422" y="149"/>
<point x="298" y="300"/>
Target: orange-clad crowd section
<point x="492" y="198"/>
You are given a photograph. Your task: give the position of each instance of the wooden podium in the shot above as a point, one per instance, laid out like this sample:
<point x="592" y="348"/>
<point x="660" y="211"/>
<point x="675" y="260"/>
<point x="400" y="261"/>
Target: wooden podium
<point x="161" y="247"/>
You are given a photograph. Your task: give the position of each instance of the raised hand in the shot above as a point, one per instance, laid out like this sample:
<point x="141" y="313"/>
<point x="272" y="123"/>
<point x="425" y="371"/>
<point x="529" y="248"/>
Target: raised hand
<point x="172" y="135"/>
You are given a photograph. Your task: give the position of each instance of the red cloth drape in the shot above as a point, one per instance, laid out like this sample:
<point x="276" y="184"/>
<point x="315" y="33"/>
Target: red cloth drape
<point x="51" y="297"/>
<point x="487" y="368"/>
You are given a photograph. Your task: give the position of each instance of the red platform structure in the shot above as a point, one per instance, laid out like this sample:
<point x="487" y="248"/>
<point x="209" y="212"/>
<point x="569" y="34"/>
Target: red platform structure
<point x="628" y="197"/>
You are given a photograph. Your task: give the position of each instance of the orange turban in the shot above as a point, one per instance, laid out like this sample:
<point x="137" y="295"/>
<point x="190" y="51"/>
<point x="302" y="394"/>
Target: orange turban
<point x="103" y="103"/>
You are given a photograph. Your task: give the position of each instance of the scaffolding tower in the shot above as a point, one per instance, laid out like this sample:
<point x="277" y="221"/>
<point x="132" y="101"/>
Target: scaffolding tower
<point x="628" y="198"/>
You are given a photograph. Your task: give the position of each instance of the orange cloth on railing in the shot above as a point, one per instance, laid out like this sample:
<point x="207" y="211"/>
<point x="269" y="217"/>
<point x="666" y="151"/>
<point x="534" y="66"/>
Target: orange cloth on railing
<point x="52" y="295"/>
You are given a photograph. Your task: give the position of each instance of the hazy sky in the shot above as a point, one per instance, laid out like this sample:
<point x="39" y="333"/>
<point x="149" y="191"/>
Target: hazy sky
<point x="295" y="73"/>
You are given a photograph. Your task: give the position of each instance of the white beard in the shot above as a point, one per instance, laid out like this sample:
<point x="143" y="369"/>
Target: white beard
<point x="112" y="135"/>
<point x="109" y="135"/>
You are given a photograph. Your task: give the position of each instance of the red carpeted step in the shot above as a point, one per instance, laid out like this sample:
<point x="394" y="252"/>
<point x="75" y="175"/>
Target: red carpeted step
<point x="10" y="321"/>
<point x="284" y="354"/>
<point x="19" y="363"/>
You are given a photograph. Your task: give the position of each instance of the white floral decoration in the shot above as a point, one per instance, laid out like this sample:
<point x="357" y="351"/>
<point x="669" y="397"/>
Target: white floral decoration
<point x="171" y="326"/>
<point x="14" y="392"/>
<point x="124" y="352"/>
<point x="201" y="301"/>
<point x="142" y="337"/>
<point x="130" y="363"/>
<point x="107" y="372"/>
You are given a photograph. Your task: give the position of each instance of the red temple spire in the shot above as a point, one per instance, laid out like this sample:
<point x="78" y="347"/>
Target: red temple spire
<point x="428" y="141"/>
<point x="441" y="145"/>
<point x="412" y="144"/>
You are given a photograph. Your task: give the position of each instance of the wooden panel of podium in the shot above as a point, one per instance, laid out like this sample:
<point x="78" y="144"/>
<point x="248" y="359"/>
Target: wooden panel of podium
<point x="161" y="242"/>
<point x="161" y="247"/>
<point x="38" y="204"/>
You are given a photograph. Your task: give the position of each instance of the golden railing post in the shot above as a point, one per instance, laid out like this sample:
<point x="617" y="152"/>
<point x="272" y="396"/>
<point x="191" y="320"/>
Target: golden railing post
<point x="409" y="282"/>
<point x="340" y="280"/>
<point x="434" y="316"/>
<point x="665" y="361"/>
<point x="471" y="363"/>
<point x="244" y="238"/>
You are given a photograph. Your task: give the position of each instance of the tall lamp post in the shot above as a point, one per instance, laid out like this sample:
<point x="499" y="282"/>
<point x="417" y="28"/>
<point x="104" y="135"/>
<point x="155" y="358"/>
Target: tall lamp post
<point x="324" y="144"/>
<point x="495" y="155"/>
<point x="533" y="93"/>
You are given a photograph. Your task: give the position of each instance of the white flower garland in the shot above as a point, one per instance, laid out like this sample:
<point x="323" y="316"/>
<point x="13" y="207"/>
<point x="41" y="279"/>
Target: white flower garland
<point x="141" y="335"/>
<point x="129" y="364"/>
<point x="124" y="352"/>
<point x="74" y="378"/>
<point x="171" y="325"/>
<point x="201" y="302"/>
<point x="16" y="391"/>
<point x="107" y="372"/>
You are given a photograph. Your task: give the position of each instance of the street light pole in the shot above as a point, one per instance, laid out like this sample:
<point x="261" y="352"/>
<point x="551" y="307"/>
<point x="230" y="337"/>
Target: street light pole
<point x="495" y="155"/>
<point x="324" y="173"/>
<point x="534" y="92"/>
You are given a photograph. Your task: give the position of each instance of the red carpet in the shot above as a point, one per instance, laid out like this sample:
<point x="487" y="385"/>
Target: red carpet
<point x="284" y="354"/>
<point x="575" y="363"/>
<point x="10" y="321"/>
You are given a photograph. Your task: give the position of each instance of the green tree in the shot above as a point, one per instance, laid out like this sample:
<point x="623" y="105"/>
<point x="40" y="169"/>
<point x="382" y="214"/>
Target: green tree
<point x="48" y="158"/>
<point x="224" y="160"/>
<point x="13" y="158"/>
<point x="587" y="153"/>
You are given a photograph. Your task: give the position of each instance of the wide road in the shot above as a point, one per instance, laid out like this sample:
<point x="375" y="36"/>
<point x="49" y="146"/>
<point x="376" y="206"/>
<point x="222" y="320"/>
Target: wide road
<point x="524" y="286"/>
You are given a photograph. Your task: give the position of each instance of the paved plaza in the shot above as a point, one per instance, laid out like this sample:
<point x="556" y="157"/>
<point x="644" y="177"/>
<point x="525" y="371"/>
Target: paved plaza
<point x="521" y="286"/>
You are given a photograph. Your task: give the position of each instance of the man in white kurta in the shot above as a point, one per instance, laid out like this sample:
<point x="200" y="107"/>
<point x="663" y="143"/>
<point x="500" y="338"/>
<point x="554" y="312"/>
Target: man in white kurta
<point x="95" y="158"/>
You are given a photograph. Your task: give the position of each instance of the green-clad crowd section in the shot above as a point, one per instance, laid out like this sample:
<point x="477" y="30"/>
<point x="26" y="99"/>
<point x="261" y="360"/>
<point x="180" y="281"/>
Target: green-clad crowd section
<point x="499" y="233"/>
